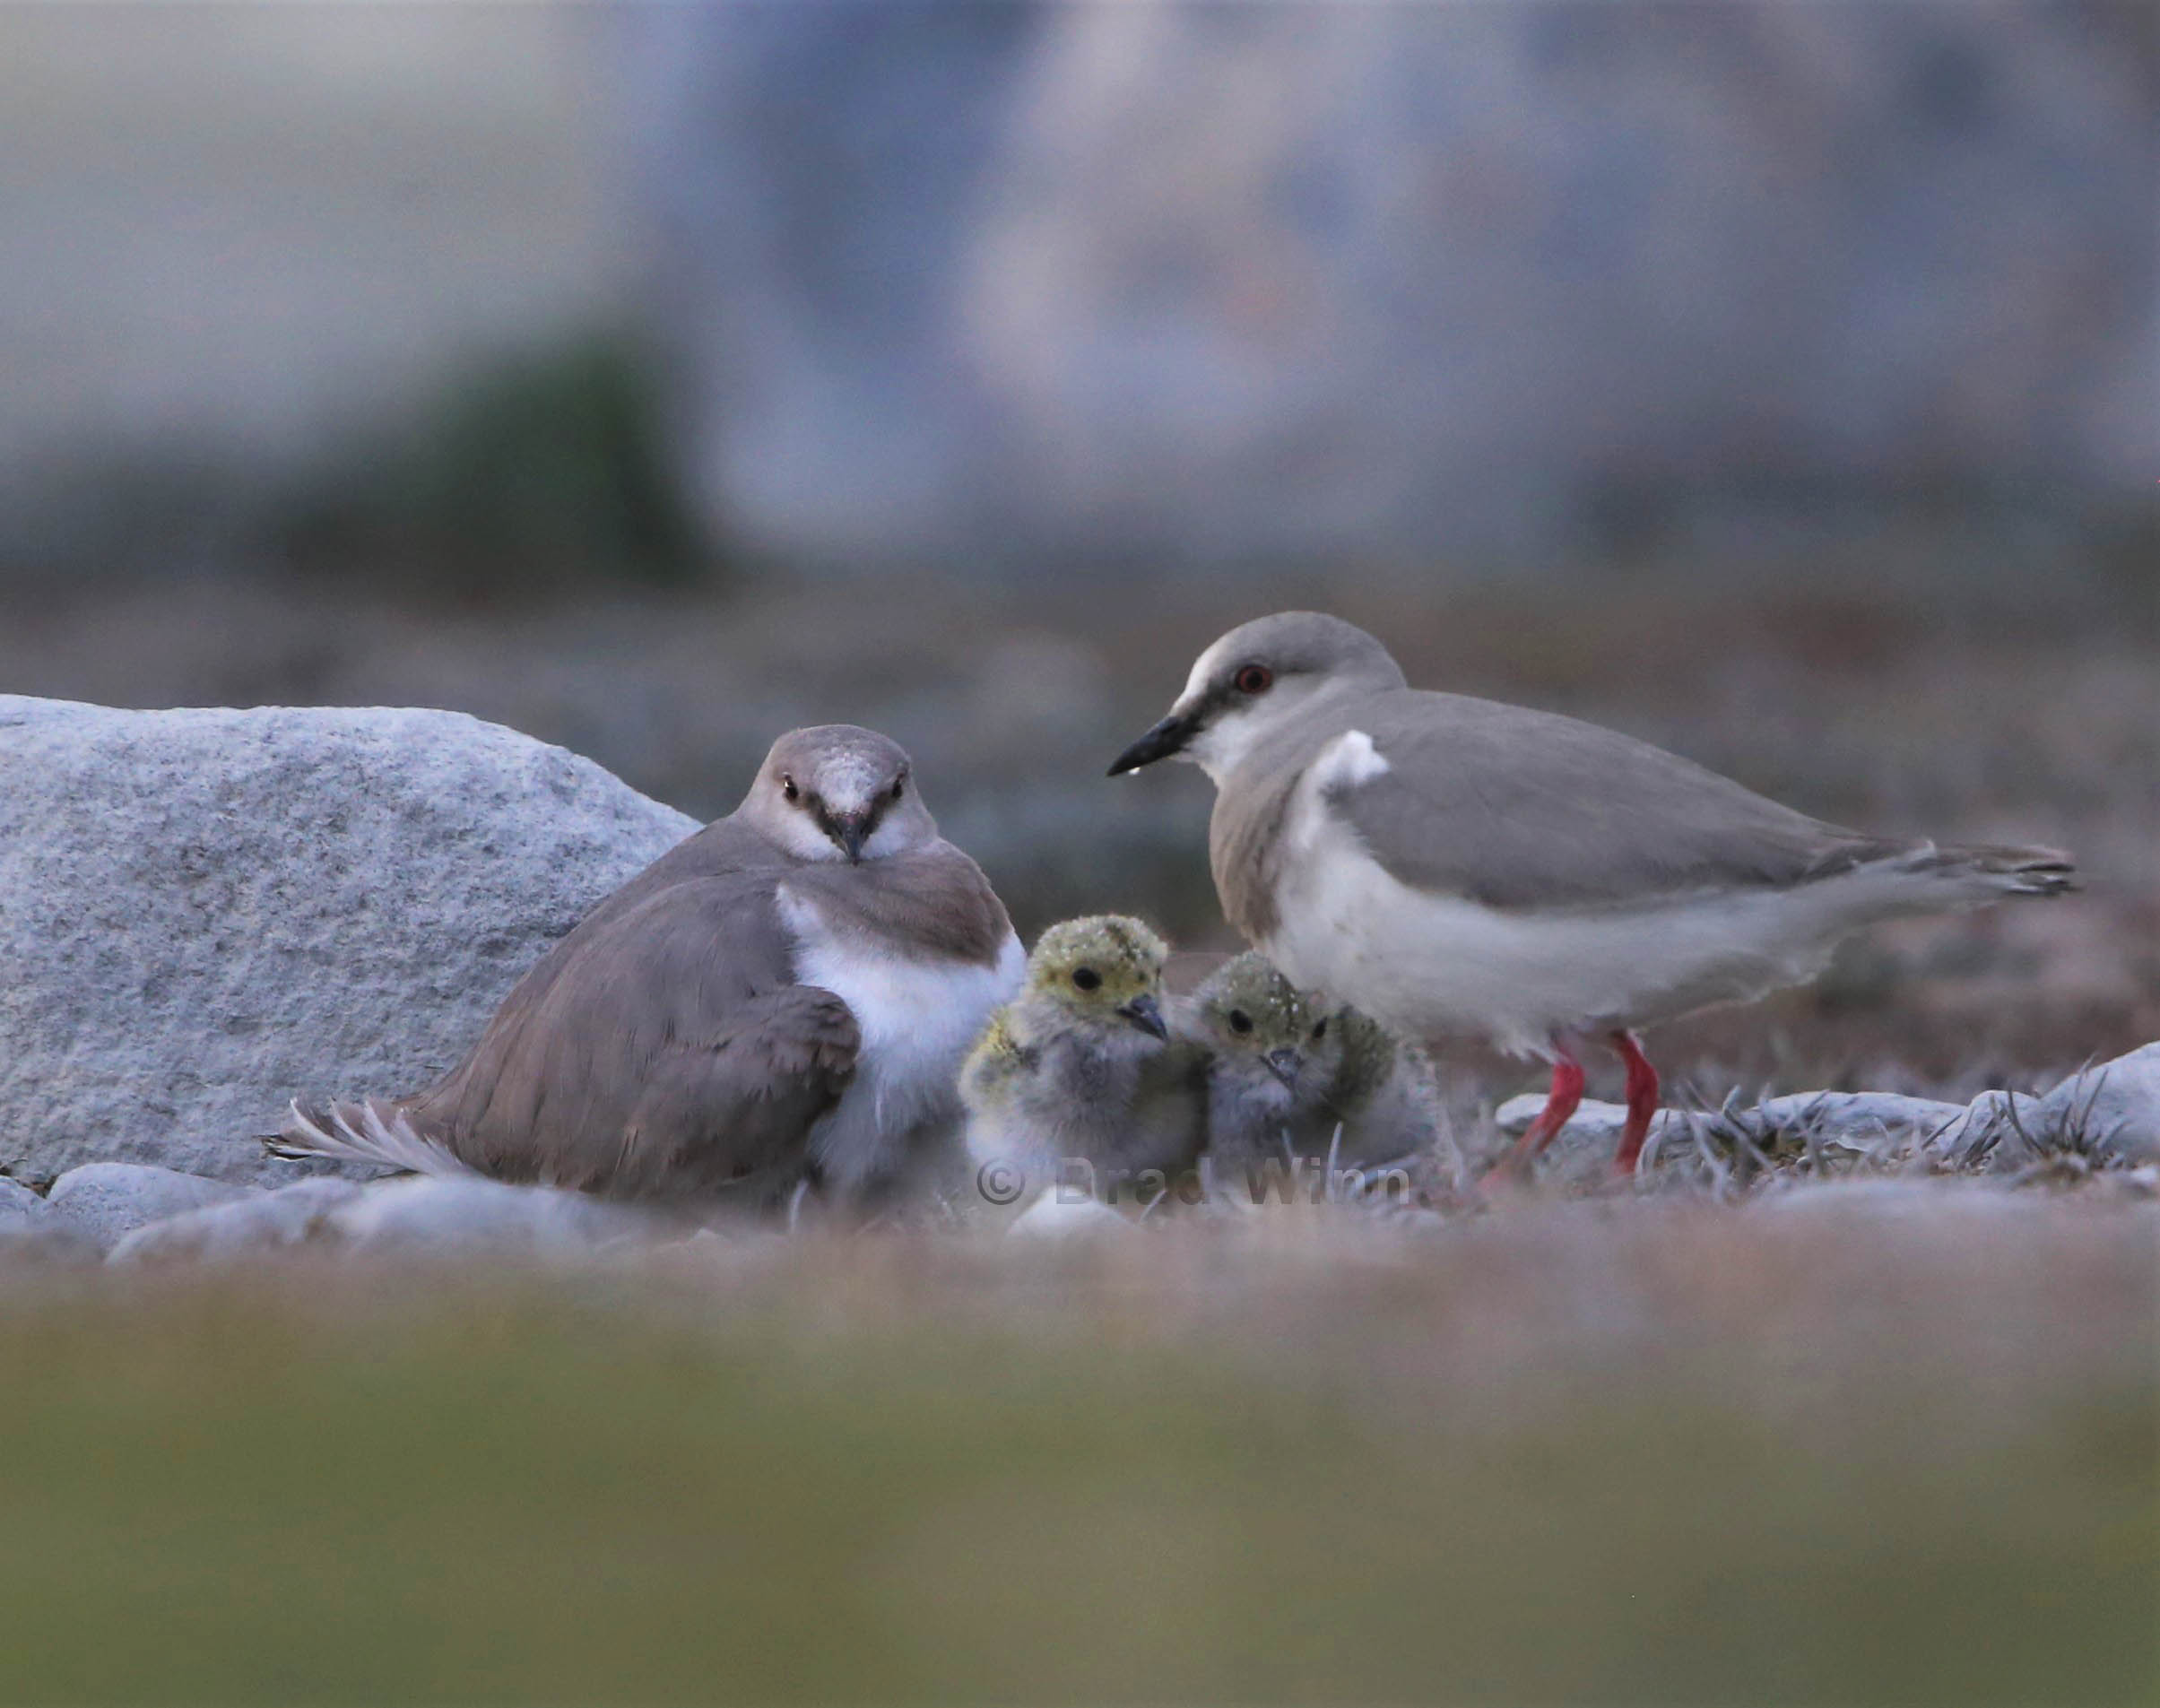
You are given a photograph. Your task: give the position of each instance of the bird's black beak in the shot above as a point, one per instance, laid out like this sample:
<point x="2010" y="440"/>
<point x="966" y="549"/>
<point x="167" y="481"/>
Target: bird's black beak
<point x="1167" y="738"/>
<point x="1284" y="1065"/>
<point x="850" y="833"/>
<point x="1146" y="1013"/>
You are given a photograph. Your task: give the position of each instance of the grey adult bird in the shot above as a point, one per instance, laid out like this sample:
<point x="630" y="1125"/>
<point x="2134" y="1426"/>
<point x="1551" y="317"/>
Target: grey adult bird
<point x="1456" y="866"/>
<point x="785" y="996"/>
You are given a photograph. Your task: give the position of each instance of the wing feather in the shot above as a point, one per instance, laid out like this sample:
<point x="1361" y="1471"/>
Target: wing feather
<point x="1519" y="809"/>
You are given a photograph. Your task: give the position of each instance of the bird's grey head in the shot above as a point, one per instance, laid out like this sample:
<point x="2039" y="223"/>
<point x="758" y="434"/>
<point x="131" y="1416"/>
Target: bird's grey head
<point x="1258" y="1022"/>
<point x="1104" y="973"/>
<point x="836" y="792"/>
<point x="1256" y="680"/>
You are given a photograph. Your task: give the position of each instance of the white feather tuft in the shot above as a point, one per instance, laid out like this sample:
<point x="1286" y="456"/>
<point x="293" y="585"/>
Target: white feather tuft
<point x="392" y="1144"/>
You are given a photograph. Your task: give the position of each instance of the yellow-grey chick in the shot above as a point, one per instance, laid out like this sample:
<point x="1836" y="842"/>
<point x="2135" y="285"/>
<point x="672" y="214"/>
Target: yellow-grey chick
<point x="1286" y="1069"/>
<point x="1264" y="1100"/>
<point x="1081" y="1062"/>
<point x="1383" y="1090"/>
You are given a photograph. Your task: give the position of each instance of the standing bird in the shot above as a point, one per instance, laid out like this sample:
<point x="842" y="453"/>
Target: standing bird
<point x="1452" y="865"/>
<point x="1288" y="1072"/>
<point x="783" y="997"/>
<point x="1082" y="1063"/>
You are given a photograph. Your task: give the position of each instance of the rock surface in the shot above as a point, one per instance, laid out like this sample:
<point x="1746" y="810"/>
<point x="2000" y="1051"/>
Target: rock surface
<point x="1861" y="1120"/>
<point x="485" y="1217"/>
<point x="2110" y="1114"/>
<point x="449" y="1218"/>
<point x="105" y="1201"/>
<point x="19" y="1205"/>
<point x="1594" y="1125"/>
<point x="2114" y="1108"/>
<point x="247" y="1226"/>
<point x="204" y="913"/>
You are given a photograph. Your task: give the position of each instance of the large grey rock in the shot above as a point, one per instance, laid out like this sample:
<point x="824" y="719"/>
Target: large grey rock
<point x="204" y="913"/>
<point x="107" y="1200"/>
<point x="1416" y="283"/>
<point x="246" y="1227"/>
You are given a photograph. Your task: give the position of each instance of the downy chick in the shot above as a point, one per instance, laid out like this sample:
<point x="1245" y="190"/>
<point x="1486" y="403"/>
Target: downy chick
<point x="1081" y="1063"/>
<point x="1265" y="1099"/>
<point x="1286" y="1069"/>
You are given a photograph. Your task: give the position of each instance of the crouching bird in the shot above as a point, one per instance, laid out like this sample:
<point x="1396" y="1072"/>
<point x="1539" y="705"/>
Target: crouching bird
<point x="1454" y="866"/>
<point x="1291" y="1073"/>
<point x="1082" y="1066"/>
<point x="784" y="997"/>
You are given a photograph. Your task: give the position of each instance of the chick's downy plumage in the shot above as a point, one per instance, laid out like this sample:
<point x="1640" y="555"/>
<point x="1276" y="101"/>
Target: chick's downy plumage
<point x="1266" y="1090"/>
<point x="1286" y="1069"/>
<point x="1082" y="1063"/>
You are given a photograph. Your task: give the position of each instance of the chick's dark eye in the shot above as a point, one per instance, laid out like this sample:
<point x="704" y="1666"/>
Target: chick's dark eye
<point x="1253" y="679"/>
<point x="899" y="787"/>
<point x="1320" y="1030"/>
<point x="787" y="788"/>
<point x="1240" y="1021"/>
<point x="1086" y="978"/>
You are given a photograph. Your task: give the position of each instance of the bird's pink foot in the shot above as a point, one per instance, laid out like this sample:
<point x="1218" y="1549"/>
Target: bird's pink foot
<point x="1642" y="1103"/>
<point x="1559" y="1104"/>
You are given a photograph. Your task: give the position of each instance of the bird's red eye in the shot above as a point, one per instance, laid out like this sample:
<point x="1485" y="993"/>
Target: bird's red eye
<point x="787" y="788"/>
<point x="1253" y="679"/>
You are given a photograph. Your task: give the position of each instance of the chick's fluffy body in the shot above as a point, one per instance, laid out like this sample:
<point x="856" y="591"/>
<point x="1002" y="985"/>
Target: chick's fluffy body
<point x="1070" y="1068"/>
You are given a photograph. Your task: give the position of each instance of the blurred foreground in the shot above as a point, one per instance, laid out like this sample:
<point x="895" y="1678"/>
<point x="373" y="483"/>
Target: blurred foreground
<point x="1879" y="1443"/>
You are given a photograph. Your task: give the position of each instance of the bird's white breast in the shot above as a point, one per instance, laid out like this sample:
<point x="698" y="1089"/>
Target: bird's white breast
<point x="918" y="1017"/>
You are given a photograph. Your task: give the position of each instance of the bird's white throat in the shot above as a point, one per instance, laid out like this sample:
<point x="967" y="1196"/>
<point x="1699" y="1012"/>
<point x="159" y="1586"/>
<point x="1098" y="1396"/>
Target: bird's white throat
<point x="1239" y="732"/>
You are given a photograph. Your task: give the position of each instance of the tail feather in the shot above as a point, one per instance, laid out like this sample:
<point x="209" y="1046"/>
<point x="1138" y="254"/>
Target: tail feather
<point x="357" y="1132"/>
<point x="2020" y="872"/>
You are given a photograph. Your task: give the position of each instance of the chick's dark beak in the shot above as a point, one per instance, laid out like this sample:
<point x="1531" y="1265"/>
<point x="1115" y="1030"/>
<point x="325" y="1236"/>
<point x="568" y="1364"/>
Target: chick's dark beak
<point x="1284" y="1065"/>
<point x="1146" y="1013"/>
<point x="1167" y="738"/>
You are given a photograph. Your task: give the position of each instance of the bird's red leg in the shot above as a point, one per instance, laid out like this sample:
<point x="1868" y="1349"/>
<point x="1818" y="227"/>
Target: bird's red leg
<point x="1641" y="1102"/>
<point x="1559" y="1104"/>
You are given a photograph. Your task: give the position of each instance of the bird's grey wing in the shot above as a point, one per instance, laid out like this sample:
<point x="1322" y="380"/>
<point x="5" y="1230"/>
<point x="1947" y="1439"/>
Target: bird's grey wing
<point x="729" y="1116"/>
<point x="1521" y="808"/>
<point x="554" y="1081"/>
<point x="727" y="855"/>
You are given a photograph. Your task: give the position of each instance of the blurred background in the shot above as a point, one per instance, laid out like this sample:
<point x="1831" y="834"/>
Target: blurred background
<point x="1780" y="383"/>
